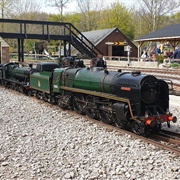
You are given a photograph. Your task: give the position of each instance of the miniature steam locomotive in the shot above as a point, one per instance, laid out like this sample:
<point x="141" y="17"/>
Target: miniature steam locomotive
<point x="126" y="99"/>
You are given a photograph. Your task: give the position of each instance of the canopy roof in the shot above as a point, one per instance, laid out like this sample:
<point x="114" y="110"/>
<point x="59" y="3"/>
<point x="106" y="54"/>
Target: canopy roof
<point x="169" y="34"/>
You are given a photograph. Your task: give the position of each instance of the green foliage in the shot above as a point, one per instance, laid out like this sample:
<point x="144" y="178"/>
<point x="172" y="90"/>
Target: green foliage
<point x="54" y="17"/>
<point x="115" y="16"/>
<point x="75" y="19"/>
<point x="159" y="58"/>
<point x="131" y="24"/>
<point x="176" y="18"/>
<point x="118" y="16"/>
<point x="29" y="45"/>
<point x="175" y="65"/>
<point x="89" y="21"/>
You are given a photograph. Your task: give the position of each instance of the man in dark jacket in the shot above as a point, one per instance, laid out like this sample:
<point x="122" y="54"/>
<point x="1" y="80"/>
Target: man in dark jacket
<point x="176" y="54"/>
<point x="101" y="62"/>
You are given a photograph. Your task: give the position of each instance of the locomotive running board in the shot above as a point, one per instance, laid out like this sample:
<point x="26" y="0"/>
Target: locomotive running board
<point x="101" y="94"/>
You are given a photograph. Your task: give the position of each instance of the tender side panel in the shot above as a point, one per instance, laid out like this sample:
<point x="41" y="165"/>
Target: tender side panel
<point x="40" y="81"/>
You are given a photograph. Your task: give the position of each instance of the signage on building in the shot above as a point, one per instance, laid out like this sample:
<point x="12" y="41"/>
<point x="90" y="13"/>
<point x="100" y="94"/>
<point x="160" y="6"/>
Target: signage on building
<point x="109" y="43"/>
<point x="115" y="43"/>
<point x="119" y="43"/>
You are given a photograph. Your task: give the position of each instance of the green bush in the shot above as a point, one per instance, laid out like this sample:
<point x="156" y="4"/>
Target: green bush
<point x="159" y="58"/>
<point x="175" y="65"/>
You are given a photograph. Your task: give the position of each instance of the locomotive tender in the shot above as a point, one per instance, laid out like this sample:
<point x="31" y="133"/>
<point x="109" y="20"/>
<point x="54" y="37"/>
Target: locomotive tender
<point x="125" y="99"/>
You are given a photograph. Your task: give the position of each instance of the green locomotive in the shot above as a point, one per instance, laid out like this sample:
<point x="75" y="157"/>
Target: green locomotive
<point x="121" y="98"/>
<point x="17" y="76"/>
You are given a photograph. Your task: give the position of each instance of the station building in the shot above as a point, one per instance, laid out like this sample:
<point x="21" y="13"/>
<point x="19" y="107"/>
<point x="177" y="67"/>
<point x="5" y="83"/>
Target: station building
<point x="111" y="42"/>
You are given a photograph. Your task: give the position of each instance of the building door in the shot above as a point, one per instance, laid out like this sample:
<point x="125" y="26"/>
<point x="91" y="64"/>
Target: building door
<point x="118" y="51"/>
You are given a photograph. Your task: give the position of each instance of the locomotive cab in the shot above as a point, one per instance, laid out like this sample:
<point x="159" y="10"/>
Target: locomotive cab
<point x="46" y="66"/>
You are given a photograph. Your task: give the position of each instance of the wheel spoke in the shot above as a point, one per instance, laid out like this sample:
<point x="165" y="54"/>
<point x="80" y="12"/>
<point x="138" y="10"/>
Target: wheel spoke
<point x="119" y="123"/>
<point x="91" y="112"/>
<point x="78" y="103"/>
<point x="106" y="117"/>
<point x="137" y="128"/>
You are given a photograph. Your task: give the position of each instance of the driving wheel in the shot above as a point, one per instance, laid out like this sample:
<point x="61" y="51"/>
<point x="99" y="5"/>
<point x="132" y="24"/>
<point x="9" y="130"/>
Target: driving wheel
<point x="79" y="103"/>
<point x="137" y="128"/>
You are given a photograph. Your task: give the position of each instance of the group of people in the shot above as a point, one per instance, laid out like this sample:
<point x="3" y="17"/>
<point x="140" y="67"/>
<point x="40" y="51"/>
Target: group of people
<point x="71" y="62"/>
<point x="98" y="62"/>
<point x="78" y="62"/>
<point x="151" y="53"/>
<point x="167" y="53"/>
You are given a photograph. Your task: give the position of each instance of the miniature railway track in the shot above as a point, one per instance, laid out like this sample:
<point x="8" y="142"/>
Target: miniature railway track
<point x="170" y="133"/>
<point x="171" y="139"/>
<point x="154" y="140"/>
<point x="173" y="145"/>
<point x="175" y="142"/>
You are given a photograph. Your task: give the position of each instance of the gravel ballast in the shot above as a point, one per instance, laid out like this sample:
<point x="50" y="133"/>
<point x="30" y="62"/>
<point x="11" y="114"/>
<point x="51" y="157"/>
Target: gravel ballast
<point x="41" y="141"/>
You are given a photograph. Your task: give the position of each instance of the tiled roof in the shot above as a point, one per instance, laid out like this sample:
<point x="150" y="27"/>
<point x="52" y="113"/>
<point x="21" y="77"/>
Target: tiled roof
<point x="169" y="32"/>
<point x="98" y="35"/>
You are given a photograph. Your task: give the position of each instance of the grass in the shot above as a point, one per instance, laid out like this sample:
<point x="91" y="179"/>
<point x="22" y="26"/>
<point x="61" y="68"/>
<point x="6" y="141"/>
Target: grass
<point x="175" y="65"/>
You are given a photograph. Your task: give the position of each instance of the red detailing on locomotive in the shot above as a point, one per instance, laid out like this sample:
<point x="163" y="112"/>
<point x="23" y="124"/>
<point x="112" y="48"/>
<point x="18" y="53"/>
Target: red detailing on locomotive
<point x="151" y="121"/>
<point x="126" y="88"/>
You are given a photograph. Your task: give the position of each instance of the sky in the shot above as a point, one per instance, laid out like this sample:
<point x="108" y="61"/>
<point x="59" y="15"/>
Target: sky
<point x="72" y="7"/>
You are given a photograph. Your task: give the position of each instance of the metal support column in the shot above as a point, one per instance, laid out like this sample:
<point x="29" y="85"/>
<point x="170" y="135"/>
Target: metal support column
<point x="20" y="50"/>
<point x="69" y="52"/>
<point x="65" y="51"/>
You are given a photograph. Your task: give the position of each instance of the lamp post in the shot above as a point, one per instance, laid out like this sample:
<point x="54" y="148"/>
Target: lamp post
<point x="128" y="49"/>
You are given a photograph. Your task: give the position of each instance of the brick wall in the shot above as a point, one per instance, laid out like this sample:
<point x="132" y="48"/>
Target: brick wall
<point x="5" y="55"/>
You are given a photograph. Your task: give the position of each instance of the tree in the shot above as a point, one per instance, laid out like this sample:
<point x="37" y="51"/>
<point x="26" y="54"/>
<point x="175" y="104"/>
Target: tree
<point x="175" y="18"/>
<point x="152" y="11"/>
<point x="75" y="19"/>
<point x="25" y="9"/>
<point x="5" y="6"/>
<point x="118" y="16"/>
<point x="60" y="5"/>
<point x="90" y="13"/>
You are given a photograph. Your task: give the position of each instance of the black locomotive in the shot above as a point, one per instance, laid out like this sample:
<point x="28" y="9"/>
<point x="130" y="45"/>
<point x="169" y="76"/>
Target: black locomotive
<point x="126" y="99"/>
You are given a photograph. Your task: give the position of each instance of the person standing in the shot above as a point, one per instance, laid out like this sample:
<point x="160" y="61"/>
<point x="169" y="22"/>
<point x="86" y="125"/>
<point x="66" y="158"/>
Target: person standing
<point x="158" y="50"/>
<point x="176" y="54"/>
<point x="93" y="62"/>
<point x="169" y="53"/>
<point x="101" y="62"/>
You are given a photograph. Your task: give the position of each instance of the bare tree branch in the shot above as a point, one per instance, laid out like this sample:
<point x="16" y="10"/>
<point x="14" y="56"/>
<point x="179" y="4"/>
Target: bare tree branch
<point x="59" y="4"/>
<point x="24" y="6"/>
<point x="153" y="10"/>
<point x="5" y="7"/>
<point x="90" y="10"/>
